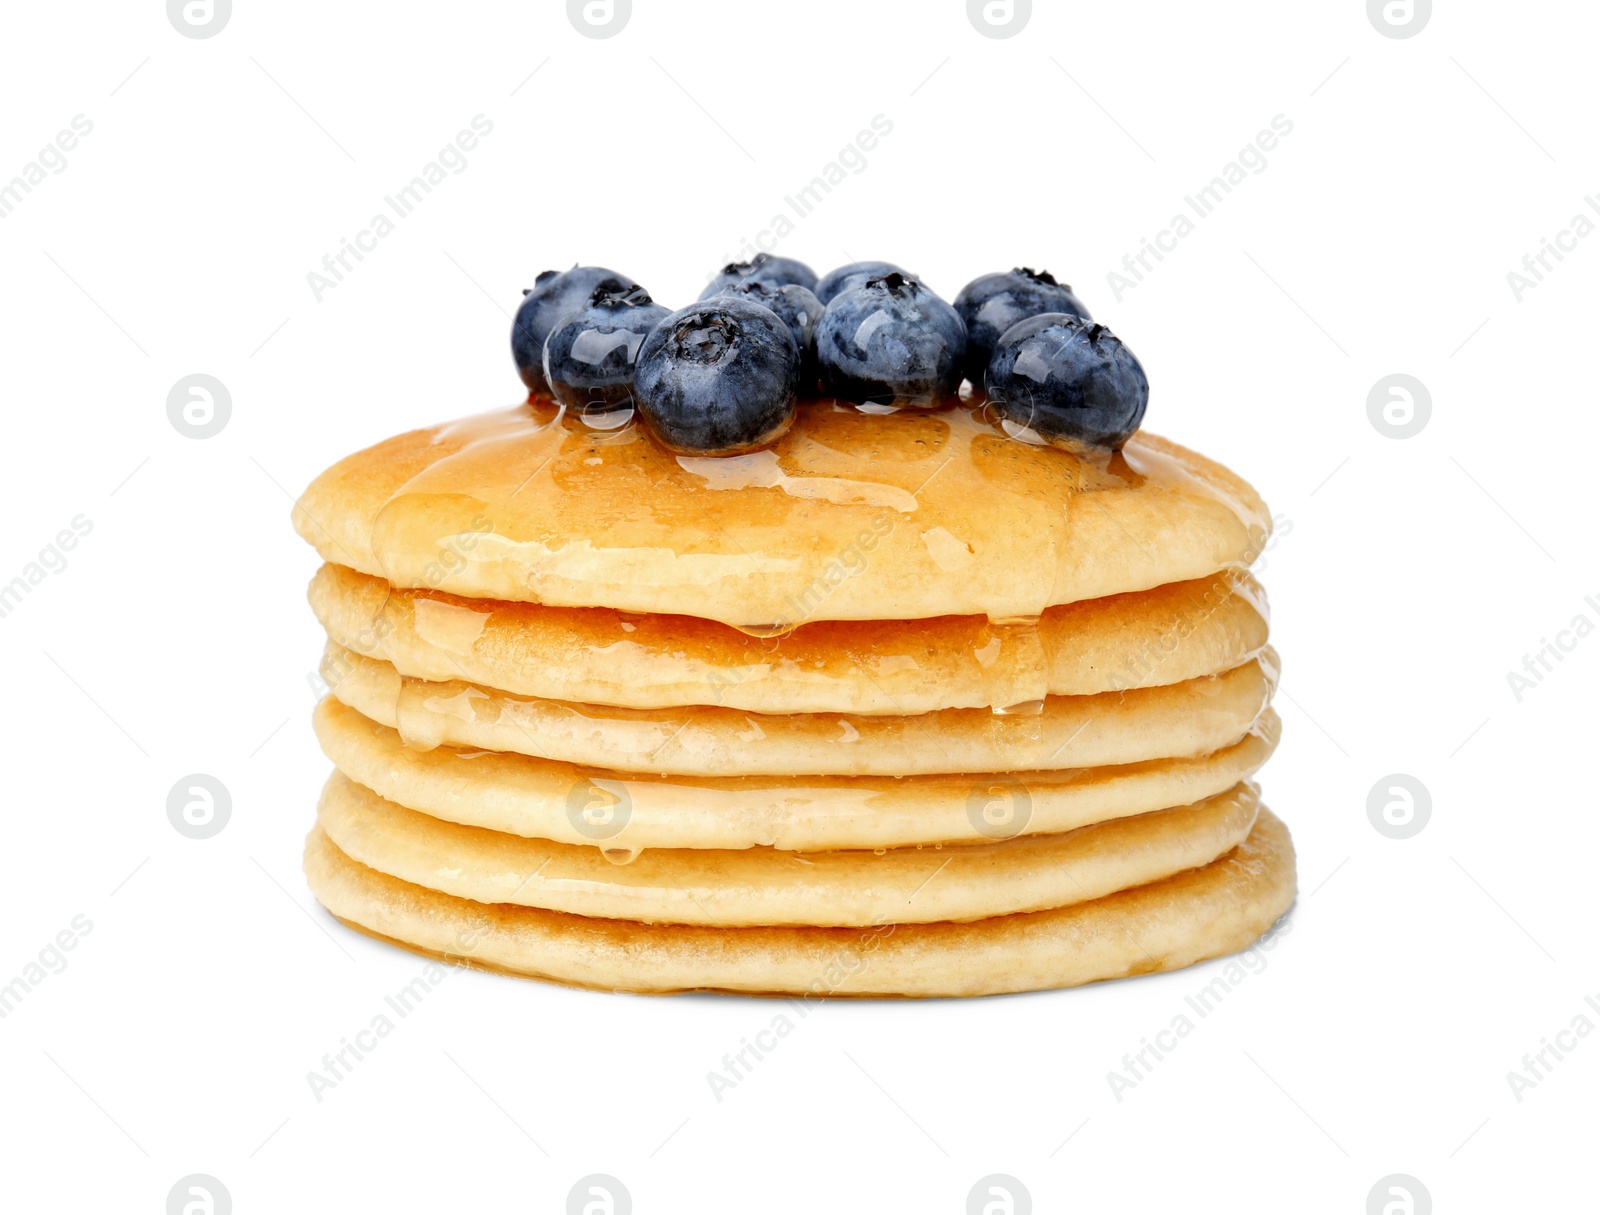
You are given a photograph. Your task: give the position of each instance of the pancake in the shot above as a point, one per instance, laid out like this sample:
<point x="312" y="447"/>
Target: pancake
<point x="1192" y="718"/>
<point x="523" y="795"/>
<point x="757" y="886"/>
<point x="601" y="656"/>
<point x="851" y="515"/>
<point x="1199" y="913"/>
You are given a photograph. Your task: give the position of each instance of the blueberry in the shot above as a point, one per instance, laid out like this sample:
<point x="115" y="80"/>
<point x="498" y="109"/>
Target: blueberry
<point x="555" y="293"/>
<point x="795" y="307"/>
<point x="1068" y="378"/>
<point x="890" y="339"/>
<point x="763" y="267"/>
<point x="589" y="356"/>
<point x="718" y="377"/>
<point x="993" y="303"/>
<point x="842" y="278"/>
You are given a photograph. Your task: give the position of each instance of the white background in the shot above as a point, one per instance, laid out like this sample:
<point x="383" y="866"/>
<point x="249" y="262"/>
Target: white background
<point x="1412" y="575"/>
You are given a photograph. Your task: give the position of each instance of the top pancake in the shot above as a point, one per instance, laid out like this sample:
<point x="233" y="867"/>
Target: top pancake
<point x="850" y="516"/>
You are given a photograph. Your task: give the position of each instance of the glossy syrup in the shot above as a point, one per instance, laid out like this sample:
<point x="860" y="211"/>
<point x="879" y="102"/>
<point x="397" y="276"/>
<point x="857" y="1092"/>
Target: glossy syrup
<point x="535" y="480"/>
<point x="940" y="509"/>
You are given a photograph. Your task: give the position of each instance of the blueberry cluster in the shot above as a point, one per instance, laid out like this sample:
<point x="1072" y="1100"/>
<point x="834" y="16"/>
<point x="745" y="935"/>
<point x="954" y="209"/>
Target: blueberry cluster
<point x="724" y="375"/>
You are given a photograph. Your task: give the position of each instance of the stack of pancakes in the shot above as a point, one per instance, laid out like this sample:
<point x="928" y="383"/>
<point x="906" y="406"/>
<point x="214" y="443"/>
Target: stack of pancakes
<point x="902" y="705"/>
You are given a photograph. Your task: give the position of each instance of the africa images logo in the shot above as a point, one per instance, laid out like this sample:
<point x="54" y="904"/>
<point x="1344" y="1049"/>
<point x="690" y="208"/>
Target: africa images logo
<point x="999" y="1194"/>
<point x="1399" y="18"/>
<point x="999" y="18"/>
<point x="599" y="1194"/>
<point x="199" y="18"/>
<point x="599" y="18"/>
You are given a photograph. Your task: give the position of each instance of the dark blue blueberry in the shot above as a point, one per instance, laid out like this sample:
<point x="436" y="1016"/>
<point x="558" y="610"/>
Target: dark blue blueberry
<point x="993" y="303"/>
<point x="841" y="278"/>
<point x="718" y="377"/>
<point x="795" y="307"/>
<point x="765" y="268"/>
<point x="589" y="356"/>
<point x="890" y="340"/>
<point x="1068" y="378"/>
<point x="555" y="293"/>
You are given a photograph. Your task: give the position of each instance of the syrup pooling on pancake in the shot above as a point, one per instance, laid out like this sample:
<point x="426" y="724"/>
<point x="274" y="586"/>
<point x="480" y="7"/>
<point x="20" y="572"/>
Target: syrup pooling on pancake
<point x="529" y="504"/>
<point x="563" y="509"/>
